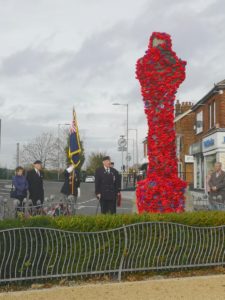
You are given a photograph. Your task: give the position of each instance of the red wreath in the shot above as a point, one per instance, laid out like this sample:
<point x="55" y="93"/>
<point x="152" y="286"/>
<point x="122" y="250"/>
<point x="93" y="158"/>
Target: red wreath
<point x="160" y="72"/>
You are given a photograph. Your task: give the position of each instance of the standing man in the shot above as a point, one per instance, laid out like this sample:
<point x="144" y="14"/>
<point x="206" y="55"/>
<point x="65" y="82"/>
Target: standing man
<point x="117" y="174"/>
<point x="217" y="184"/>
<point x="35" y="183"/>
<point x="107" y="186"/>
<point x="71" y="186"/>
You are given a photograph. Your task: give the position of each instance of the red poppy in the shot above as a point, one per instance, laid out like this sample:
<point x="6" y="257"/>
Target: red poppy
<point x="160" y="72"/>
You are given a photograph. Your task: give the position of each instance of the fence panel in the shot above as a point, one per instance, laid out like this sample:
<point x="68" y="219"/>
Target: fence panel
<point x="38" y="253"/>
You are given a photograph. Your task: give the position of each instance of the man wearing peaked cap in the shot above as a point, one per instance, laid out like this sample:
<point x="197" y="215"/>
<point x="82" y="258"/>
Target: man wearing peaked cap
<point x="107" y="186"/>
<point x="35" y="183"/>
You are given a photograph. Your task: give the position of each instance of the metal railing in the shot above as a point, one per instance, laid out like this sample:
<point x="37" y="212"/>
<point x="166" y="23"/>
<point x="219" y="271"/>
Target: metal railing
<point x="38" y="253"/>
<point x="9" y="208"/>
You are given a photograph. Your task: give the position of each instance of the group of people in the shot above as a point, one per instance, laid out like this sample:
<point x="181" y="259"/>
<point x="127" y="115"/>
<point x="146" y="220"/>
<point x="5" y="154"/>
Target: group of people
<point x="32" y="183"/>
<point x="107" y="185"/>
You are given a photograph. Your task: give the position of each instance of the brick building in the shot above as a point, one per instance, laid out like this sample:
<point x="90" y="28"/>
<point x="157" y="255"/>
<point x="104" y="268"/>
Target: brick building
<point x="209" y="133"/>
<point x="184" y="122"/>
<point x="200" y="136"/>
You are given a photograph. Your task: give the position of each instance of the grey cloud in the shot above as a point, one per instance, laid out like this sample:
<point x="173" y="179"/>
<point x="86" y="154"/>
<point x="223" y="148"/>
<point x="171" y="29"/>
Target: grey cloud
<point x="27" y="61"/>
<point x="48" y="83"/>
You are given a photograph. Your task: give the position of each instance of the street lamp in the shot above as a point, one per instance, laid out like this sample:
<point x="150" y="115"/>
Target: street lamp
<point x="0" y="132"/>
<point x="60" y="124"/>
<point x="125" y="104"/>
<point x="134" y="129"/>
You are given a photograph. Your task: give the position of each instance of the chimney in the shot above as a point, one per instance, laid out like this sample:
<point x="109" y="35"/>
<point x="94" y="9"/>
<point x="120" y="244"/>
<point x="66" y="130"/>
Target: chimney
<point x="185" y="106"/>
<point x="177" y="108"/>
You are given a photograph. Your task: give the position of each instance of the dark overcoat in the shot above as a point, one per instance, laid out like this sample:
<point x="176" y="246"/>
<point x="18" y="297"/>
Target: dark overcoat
<point x="219" y="182"/>
<point x="35" y="186"/>
<point x="107" y="184"/>
<point x="67" y="185"/>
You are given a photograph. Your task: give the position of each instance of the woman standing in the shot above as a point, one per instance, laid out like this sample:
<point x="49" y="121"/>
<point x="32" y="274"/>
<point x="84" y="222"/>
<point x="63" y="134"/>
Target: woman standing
<point x="20" y="183"/>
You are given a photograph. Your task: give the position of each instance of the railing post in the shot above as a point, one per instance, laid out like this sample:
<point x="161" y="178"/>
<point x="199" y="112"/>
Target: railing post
<point x="123" y="253"/>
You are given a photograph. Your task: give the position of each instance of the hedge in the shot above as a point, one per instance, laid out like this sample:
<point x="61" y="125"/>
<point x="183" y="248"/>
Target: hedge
<point x="104" y="222"/>
<point x="31" y="253"/>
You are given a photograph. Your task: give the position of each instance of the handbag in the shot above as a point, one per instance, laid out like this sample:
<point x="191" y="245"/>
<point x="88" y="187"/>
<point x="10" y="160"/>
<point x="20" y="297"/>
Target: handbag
<point x="13" y="192"/>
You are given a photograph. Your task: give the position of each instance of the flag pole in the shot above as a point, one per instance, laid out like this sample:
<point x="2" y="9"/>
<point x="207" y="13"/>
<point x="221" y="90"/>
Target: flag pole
<point x="73" y="182"/>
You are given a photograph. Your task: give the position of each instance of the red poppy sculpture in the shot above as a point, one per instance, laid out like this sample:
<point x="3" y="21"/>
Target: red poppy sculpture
<point x="160" y="72"/>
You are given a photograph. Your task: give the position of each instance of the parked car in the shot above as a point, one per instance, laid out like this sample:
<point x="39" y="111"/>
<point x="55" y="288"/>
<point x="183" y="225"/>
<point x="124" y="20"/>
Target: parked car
<point x="90" y="179"/>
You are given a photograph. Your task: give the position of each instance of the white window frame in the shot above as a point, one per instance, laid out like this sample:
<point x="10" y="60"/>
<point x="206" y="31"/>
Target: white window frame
<point x="180" y="169"/>
<point x="210" y="116"/>
<point x="214" y="113"/>
<point x="199" y="122"/>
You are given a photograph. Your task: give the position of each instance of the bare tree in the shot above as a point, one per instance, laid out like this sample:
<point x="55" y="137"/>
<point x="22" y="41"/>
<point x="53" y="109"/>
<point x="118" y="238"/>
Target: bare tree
<point x="45" y="148"/>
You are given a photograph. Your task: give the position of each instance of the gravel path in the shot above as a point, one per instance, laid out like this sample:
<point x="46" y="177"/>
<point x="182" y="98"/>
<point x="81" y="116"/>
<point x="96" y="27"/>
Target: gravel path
<point x="199" y="288"/>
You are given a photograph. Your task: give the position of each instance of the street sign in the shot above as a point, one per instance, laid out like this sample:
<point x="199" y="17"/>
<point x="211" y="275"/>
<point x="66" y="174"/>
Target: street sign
<point x="122" y="149"/>
<point x="128" y="158"/>
<point x="189" y="159"/>
<point x="122" y="142"/>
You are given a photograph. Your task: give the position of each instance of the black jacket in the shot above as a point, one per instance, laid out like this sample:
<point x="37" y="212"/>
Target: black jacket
<point x="35" y="185"/>
<point x="67" y="185"/>
<point x="108" y="185"/>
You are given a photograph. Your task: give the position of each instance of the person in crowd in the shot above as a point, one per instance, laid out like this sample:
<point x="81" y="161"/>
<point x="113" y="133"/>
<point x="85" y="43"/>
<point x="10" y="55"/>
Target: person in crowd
<point x="117" y="174"/>
<point x="20" y="184"/>
<point x="207" y="181"/>
<point x="71" y="185"/>
<point x="217" y="184"/>
<point x="119" y="178"/>
<point x="107" y="186"/>
<point x="35" y="183"/>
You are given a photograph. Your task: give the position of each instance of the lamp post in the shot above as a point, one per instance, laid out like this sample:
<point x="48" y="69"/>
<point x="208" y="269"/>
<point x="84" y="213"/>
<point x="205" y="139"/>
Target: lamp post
<point x="135" y="129"/>
<point x="0" y="133"/>
<point x="127" y="106"/>
<point x="60" y="124"/>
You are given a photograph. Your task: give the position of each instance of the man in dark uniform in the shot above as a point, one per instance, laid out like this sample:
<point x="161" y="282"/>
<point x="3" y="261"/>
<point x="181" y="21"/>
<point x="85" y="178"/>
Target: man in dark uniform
<point x="35" y="183"/>
<point x="118" y="175"/>
<point x="107" y="186"/>
<point x="71" y="183"/>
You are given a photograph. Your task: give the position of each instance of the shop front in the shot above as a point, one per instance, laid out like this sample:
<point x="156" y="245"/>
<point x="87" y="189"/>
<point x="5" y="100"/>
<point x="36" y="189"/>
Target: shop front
<point x="213" y="147"/>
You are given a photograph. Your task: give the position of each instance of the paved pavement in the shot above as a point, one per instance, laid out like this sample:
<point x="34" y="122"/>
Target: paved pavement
<point x="87" y="203"/>
<point x="190" y="288"/>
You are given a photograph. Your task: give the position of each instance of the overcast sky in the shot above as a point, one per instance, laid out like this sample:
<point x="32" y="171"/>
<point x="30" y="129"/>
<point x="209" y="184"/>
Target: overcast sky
<point x="56" y="54"/>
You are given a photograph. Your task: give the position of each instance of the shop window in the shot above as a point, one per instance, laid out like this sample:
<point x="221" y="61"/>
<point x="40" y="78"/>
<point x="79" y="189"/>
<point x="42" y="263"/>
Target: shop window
<point x="210" y="162"/>
<point x="199" y="172"/>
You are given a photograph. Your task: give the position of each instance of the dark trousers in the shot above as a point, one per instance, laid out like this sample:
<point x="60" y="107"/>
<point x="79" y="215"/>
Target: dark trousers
<point x="108" y="206"/>
<point x="20" y="207"/>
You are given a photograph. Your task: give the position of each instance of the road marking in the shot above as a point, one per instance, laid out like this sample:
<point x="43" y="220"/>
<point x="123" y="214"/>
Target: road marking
<point x="87" y="201"/>
<point x="91" y="206"/>
<point x="126" y="208"/>
<point x="85" y="206"/>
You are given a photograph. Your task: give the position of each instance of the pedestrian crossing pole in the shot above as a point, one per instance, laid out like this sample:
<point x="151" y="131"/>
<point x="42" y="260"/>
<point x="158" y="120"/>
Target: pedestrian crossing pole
<point x="17" y="154"/>
<point x="0" y="132"/>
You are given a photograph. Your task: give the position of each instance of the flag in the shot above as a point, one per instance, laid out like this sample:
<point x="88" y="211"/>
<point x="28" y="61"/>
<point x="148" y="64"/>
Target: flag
<point x="74" y="142"/>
